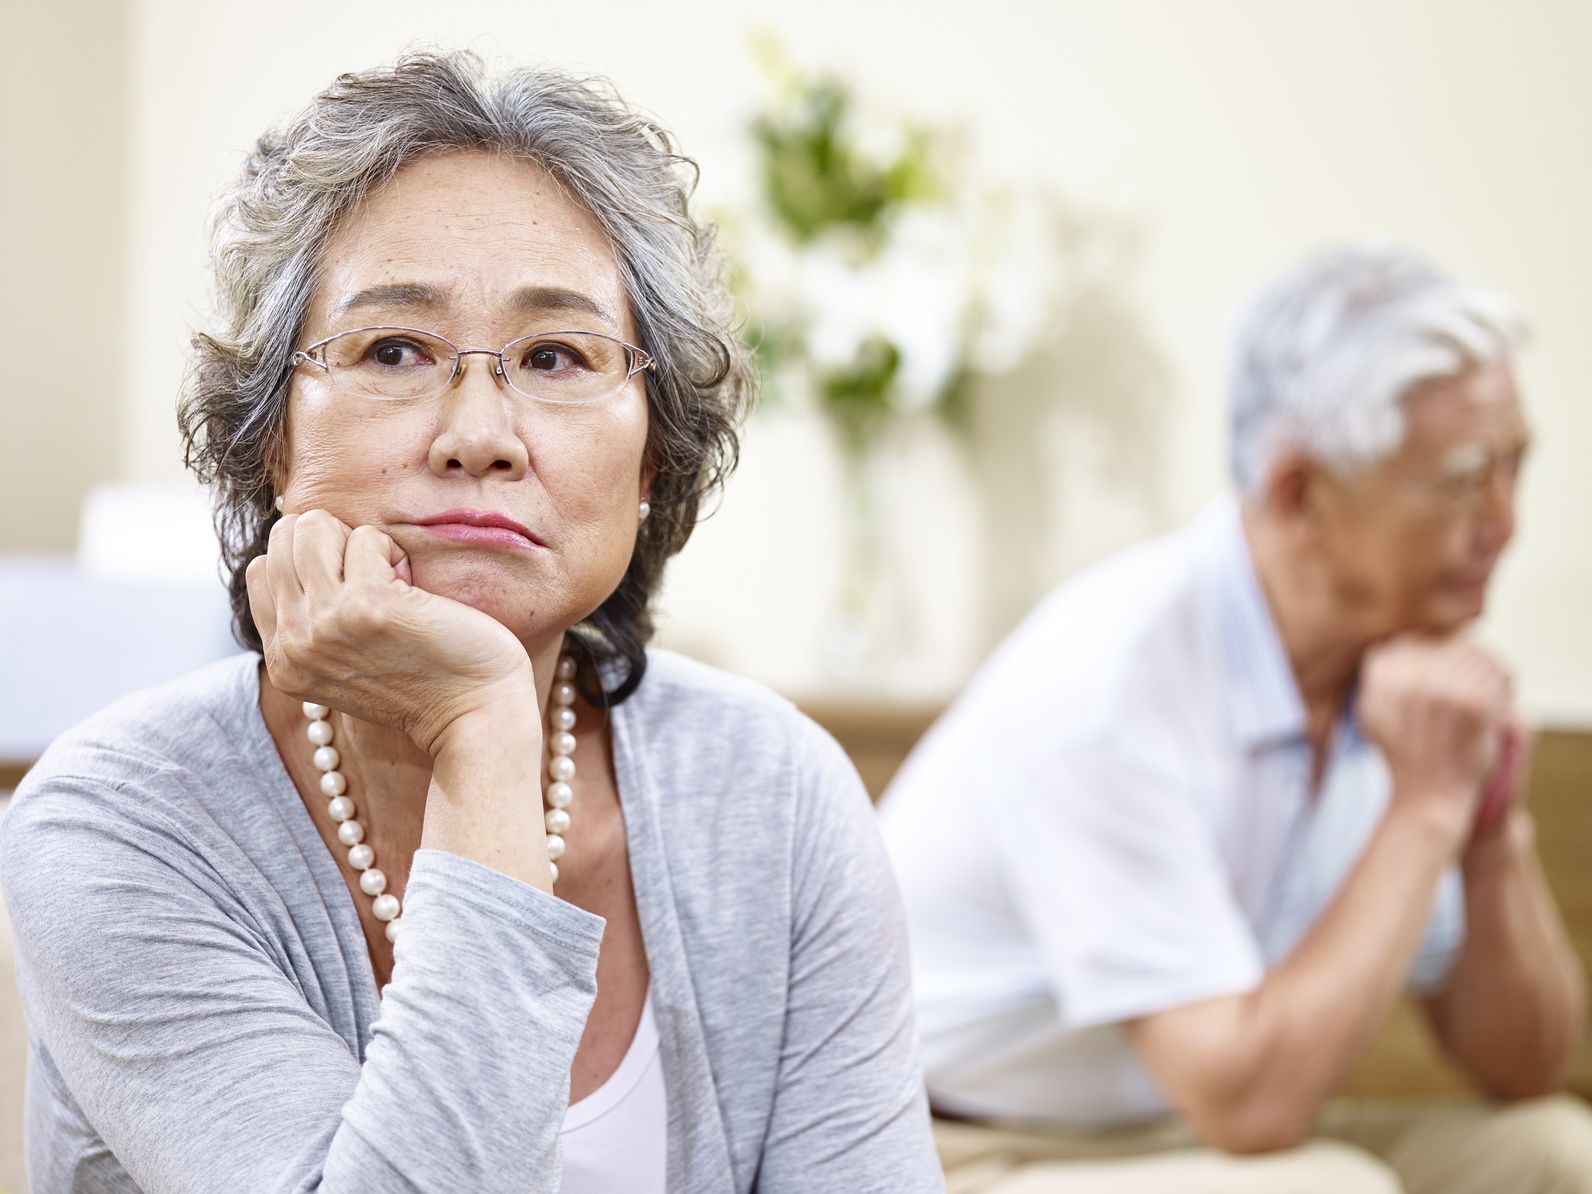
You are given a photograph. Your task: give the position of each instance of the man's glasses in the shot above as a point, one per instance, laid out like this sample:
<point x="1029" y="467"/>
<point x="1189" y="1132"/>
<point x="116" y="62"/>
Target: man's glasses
<point x="1467" y="483"/>
<point x="404" y="364"/>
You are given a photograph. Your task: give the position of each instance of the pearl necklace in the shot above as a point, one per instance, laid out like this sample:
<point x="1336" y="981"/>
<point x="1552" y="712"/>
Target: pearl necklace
<point x="334" y="785"/>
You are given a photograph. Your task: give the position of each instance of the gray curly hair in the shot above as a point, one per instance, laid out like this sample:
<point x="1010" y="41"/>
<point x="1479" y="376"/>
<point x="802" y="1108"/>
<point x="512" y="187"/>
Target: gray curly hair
<point x="271" y="226"/>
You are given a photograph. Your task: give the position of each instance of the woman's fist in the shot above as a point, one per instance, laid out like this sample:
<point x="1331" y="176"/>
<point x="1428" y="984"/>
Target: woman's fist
<point x="343" y="625"/>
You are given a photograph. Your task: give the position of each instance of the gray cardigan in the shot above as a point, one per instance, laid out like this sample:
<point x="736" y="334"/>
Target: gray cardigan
<point x="204" y="1017"/>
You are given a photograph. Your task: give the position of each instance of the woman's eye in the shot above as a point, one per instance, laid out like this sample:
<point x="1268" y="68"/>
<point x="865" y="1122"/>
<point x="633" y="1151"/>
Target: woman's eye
<point x="550" y="358"/>
<point x="398" y="354"/>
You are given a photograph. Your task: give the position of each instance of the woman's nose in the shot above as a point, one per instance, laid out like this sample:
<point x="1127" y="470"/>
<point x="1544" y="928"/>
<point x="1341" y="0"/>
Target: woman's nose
<point x="476" y="426"/>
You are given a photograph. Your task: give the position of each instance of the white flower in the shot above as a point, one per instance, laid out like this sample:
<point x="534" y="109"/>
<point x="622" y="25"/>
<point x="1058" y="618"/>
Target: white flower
<point x="965" y="282"/>
<point x="836" y="304"/>
<point x="877" y="136"/>
<point x="1015" y="283"/>
<point x="930" y="295"/>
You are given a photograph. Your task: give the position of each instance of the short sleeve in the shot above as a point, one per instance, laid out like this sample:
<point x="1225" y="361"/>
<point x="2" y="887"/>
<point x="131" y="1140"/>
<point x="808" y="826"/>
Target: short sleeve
<point x="1117" y="873"/>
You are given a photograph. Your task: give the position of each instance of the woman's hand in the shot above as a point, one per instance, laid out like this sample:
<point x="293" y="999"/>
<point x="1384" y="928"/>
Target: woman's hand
<point x="341" y="625"/>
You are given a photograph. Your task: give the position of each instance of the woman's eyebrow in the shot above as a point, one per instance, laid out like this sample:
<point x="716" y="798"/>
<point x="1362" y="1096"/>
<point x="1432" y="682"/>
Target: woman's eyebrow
<point x="525" y="300"/>
<point x="535" y="299"/>
<point x="391" y="294"/>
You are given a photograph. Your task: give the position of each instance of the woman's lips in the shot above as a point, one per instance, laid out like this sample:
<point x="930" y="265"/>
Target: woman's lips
<point x="466" y="533"/>
<point x="482" y="527"/>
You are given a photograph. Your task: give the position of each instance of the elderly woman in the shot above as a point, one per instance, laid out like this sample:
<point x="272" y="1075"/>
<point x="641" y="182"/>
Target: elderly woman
<point x="462" y="888"/>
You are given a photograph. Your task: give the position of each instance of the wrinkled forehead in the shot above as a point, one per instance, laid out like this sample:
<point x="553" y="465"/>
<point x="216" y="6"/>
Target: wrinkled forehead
<point x="470" y="245"/>
<point x="1456" y="423"/>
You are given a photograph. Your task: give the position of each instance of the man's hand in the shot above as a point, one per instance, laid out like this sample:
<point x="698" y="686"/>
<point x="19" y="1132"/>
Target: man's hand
<point x="1251" y="1072"/>
<point x="1440" y="711"/>
<point x="1505" y="791"/>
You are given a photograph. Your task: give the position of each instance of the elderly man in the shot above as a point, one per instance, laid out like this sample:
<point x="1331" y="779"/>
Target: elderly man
<point x="1222" y="799"/>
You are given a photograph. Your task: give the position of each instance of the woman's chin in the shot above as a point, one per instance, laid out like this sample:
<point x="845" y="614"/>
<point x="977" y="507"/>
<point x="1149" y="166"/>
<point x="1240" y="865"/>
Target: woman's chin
<point x="508" y="599"/>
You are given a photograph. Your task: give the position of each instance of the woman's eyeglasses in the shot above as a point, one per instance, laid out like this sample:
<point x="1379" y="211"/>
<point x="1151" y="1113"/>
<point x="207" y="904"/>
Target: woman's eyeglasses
<point x="403" y="364"/>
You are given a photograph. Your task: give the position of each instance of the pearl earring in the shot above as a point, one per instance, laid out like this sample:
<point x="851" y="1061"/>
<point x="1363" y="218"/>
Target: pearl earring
<point x="646" y="509"/>
<point x="281" y="503"/>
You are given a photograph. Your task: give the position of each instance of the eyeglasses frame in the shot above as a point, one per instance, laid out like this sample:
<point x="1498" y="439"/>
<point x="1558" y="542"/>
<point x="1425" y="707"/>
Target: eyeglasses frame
<point x="637" y="359"/>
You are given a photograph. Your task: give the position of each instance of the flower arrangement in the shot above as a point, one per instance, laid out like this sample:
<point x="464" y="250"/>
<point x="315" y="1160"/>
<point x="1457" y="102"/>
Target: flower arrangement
<point x="881" y="278"/>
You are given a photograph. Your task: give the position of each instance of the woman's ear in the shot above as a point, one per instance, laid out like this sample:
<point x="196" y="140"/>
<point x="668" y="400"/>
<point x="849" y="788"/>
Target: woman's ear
<point x="277" y="471"/>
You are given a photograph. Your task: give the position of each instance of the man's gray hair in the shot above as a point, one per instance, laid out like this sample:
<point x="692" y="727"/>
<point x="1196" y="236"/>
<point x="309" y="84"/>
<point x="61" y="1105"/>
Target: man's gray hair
<point x="1327" y="356"/>
<point x="271" y="228"/>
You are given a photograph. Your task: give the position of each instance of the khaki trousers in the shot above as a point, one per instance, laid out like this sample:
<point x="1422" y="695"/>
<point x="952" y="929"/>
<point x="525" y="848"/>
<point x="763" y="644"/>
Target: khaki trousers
<point x="1538" y="1147"/>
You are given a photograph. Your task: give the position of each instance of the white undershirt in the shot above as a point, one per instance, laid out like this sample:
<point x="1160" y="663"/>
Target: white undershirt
<point x="617" y="1137"/>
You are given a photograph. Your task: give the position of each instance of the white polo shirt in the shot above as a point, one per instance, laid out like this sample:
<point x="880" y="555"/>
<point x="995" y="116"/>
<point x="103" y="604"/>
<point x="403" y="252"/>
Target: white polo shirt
<point x="1114" y="819"/>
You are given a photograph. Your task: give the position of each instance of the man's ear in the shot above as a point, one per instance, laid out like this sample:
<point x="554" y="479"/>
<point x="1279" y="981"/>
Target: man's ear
<point x="1297" y="495"/>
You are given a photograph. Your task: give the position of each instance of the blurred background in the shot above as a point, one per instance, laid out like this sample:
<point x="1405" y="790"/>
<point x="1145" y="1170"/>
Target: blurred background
<point x="992" y="256"/>
<point x="1155" y="163"/>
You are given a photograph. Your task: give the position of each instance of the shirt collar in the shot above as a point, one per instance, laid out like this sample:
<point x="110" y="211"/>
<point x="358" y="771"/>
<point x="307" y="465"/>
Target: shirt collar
<point x="1261" y="693"/>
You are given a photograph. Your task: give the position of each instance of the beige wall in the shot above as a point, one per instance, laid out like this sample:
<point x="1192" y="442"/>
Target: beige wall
<point x="1202" y="146"/>
<point x="63" y="209"/>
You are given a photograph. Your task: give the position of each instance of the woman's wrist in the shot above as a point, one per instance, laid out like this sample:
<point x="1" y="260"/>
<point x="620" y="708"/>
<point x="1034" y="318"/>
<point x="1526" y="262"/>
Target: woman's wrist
<point x="500" y="716"/>
<point x="485" y="798"/>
